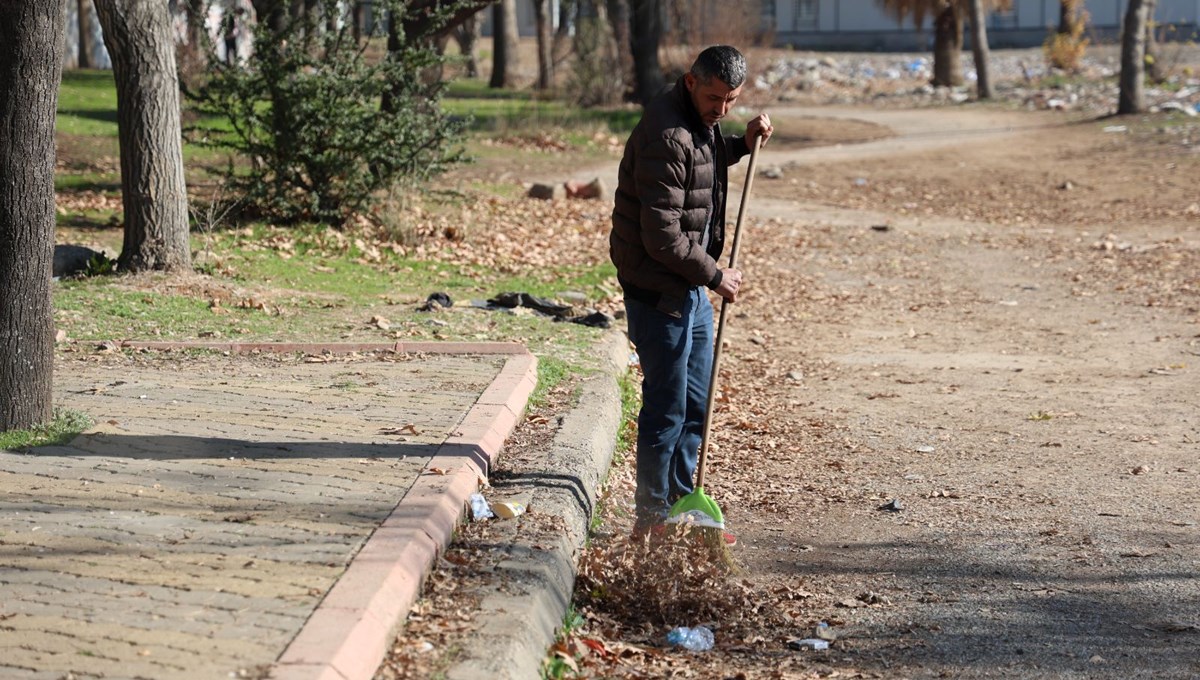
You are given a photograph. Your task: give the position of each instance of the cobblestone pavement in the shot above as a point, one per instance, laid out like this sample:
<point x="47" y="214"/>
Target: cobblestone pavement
<point x="194" y="530"/>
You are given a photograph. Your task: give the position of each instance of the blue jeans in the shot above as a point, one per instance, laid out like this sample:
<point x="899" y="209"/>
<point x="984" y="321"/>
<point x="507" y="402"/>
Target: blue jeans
<point x="676" y="357"/>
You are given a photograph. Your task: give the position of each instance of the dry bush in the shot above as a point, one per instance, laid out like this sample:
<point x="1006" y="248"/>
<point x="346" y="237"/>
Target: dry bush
<point x="1065" y="51"/>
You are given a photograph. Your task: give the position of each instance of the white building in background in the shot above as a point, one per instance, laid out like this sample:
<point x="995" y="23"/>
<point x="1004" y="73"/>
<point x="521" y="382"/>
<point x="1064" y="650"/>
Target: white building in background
<point x="864" y="25"/>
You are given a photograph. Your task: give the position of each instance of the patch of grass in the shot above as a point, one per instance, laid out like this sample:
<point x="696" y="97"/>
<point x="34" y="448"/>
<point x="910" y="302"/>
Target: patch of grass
<point x="631" y="403"/>
<point x="555" y="667"/>
<point x="552" y="371"/>
<point x="512" y="110"/>
<point x="65" y="426"/>
<point x="87" y="104"/>
<point x="100" y="309"/>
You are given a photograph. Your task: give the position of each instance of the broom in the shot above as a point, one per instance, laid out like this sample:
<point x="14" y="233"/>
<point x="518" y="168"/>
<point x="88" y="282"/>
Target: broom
<point x="697" y="510"/>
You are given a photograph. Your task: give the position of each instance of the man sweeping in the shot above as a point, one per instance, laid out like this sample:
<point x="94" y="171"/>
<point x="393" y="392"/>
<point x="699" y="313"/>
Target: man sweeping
<point x="668" y="233"/>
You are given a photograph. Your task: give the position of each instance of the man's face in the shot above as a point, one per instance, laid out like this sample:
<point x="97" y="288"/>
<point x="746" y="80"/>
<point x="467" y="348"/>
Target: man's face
<point x="712" y="99"/>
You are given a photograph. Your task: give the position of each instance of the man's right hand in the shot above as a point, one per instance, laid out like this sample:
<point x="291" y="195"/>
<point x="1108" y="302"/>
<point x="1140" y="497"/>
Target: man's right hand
<point x="731" y="280"/>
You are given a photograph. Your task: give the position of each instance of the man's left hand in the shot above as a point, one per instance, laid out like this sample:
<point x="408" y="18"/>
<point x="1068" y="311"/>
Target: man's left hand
<point x="759" y="125"/>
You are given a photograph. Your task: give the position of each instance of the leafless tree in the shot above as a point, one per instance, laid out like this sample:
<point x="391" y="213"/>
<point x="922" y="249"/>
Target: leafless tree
<point x="1133" y="57"/>
<point x="32" y="40"/>
<point x="646" y="30"/>
<point x="153" y="191"/>
<point x="506" y="40"/>
<point x="979" y="46"/>
<point x="545" y="44"/>
<point x="84" y="15"/>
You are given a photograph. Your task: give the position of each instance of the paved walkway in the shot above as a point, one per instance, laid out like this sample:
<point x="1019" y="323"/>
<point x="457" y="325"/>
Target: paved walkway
<point x="258" y="510"/>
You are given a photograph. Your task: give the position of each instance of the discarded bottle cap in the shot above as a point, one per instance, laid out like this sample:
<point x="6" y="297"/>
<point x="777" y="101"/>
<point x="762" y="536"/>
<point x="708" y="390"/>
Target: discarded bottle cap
<point x="508" y="509"/>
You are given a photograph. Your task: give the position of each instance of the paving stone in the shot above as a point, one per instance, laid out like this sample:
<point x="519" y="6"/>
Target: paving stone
<point x="192" y="532"/>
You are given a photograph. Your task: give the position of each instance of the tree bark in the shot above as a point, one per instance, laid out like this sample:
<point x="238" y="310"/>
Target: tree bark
<point x="467" y="34"/>
<point x="505" y="40"/>
<point x="947" y="47"/>
<point x="32" y="40"/>
<point x="153" y="191"/>
<point x="84" y="59"/>
<point x="1133" y="58"/>
<point x="545" y="43"/>
<point x="618" y="17"/>
<point x="979" y="46"/>
<point x="645" y="31"/>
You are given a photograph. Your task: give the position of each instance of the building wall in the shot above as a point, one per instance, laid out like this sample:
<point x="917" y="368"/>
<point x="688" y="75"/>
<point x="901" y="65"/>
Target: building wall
<point x="864" y="25"/>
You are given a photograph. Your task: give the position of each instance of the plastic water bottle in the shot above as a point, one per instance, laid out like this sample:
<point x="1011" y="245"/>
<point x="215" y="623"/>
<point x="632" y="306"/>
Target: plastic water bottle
<point x="698" y="639"/>
<point x="479" y="508"/>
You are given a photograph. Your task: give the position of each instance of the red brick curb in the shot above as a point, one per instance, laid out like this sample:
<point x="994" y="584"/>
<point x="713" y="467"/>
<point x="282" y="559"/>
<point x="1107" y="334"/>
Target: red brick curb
<point x="350" y="632"/>
<point x="341" y="347"/>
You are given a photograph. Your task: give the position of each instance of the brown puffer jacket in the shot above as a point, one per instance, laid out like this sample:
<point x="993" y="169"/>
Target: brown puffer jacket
<point x="665" y="192"/>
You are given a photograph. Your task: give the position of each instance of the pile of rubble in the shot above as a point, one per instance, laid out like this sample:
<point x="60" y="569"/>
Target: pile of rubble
<point x="1019" y="76"/>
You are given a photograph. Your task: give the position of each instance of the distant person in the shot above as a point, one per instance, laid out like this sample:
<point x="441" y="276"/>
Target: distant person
<point x="232" y="33"/>
<point x="667" y="235"/>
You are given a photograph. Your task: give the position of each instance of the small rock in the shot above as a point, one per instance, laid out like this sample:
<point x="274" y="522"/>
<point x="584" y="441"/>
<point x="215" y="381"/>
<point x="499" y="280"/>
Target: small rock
<point x="548" y="192"/>
<point x="594" y="189"/>
<point x="893" y="505"/>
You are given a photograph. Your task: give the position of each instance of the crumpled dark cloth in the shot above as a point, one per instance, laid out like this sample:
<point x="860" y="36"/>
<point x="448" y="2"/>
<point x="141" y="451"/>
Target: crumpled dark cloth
<point x="534" y="302"/>
<point x="595" y="320"/>
<point x="436" y="301"/>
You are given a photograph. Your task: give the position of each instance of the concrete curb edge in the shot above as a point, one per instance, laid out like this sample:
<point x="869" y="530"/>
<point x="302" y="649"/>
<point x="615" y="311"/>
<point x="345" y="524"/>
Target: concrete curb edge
<point x="539" y="581"/>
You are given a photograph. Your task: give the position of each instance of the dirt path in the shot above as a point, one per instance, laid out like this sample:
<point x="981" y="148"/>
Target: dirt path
<point x="1040" y="438"/>
<point x="1024" y="390"/>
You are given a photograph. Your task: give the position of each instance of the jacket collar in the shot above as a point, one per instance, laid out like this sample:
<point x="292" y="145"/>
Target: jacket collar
<point x="683" y="99"/>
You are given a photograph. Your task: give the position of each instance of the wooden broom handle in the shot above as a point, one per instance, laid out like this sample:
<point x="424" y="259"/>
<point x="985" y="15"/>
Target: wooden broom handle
<point x="716" y="361"/>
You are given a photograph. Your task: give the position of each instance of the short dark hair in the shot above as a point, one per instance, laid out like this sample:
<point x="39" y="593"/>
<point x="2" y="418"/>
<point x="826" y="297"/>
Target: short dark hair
<point x="720" y="61"/>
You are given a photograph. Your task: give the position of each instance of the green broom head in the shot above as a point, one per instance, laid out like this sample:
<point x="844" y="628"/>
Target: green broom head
<point x="697" y="509"/>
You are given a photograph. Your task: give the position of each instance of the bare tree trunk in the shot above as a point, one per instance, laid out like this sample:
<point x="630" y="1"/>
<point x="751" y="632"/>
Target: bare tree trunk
<point x="947" y="47"/>
<point x="505" y="40"/>
<point x="359" y="17"/>
<point x="544" y="44"/>
<point x="32" y="40"/>
<point x="467" y="34"/>
<point x="1154" y="68"/>
<point x="979" y="46"/>
<point x="1133" y="58"/>
<point x="84" y="60"/>
<point x="153" y="191"/>
<point x="562" y="34"/>
<point x="618" y="16"/>
<point x="645" y="31"/>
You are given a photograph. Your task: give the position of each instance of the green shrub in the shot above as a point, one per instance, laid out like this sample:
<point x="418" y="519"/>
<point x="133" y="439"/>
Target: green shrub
<point x="324" y="127"/>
